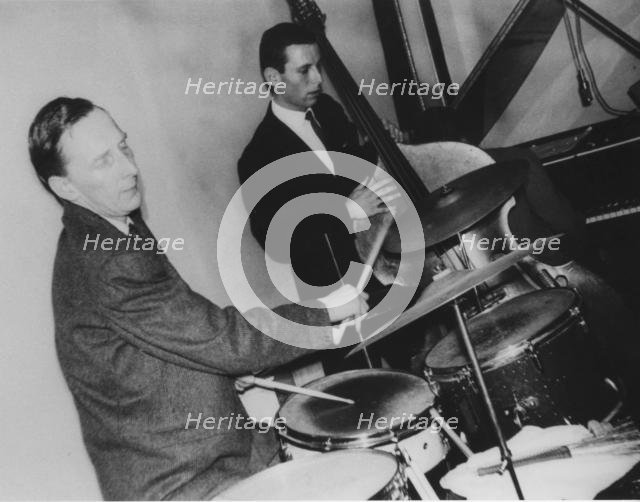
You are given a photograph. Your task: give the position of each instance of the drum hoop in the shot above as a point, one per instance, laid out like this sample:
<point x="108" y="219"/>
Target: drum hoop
<point x="548" y="333"/>
<point x="363" y="440"/>
<point x="513" y="352"/>
<point x="395" y="479"/>
<point x="366" y="439"/>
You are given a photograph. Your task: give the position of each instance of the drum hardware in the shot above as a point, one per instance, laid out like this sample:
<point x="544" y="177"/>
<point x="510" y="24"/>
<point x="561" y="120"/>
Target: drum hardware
<point x="505" y="453"/>
<point x="537" y="361"/>
<point x="440" y="292"/>
<point x="284" y="453"/>
<point x="575" y="312"/>
<point x="466" y="263"/>
<point x="522" y="408"/>
<point x="533" y="354"/>
<point x="314" y="427"/>
<point x="487" y="300"/>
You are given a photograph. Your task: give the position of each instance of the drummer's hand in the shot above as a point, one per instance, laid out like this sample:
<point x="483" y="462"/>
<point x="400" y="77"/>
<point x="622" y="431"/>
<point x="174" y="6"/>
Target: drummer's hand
<point x="243" y="383"/>
<point x="345" y="302"/>
<point x="373" y="201"/>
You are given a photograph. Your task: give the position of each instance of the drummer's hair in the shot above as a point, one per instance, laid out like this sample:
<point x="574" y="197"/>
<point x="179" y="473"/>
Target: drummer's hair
<point x="275" y="41"/>
<point x="47" y="128"/>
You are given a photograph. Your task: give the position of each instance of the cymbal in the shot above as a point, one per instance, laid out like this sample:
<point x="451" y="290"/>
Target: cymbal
<point x="440" y="292"/>
<point x="458" y="205"/>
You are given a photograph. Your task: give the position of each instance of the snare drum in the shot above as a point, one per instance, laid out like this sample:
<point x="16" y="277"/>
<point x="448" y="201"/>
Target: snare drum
<point x="539" y="363"/>
<point x="390" y="407"/>
<point x="340" y="475"/>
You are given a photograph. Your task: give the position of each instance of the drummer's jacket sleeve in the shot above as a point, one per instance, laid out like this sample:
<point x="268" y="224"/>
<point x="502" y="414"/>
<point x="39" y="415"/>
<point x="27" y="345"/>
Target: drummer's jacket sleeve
<point x="144" y="301"/>
<point x="148" y="360"/>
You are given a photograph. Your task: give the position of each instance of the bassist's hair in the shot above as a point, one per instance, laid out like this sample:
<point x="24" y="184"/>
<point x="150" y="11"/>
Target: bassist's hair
<point x="275" y="41"/>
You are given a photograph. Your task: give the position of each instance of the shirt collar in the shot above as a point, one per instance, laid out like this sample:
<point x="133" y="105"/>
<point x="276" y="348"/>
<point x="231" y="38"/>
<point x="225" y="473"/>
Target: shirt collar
<point x="292" y="118"/>
<point x="123" y="227"/>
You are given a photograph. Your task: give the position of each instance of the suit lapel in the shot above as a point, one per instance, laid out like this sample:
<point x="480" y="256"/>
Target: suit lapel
<point x="290" y="141"/>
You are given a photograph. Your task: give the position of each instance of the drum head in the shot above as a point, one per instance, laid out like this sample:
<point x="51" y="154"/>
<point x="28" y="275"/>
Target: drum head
<point x="340" y="475"/>
<point x="501" y="330"/>
<point x="383" y="393"/>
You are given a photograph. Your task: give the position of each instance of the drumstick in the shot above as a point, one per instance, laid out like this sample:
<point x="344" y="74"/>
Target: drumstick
<point x="270" y="384"/>
<point x="364" y="278"/>
<point x="375" y="249"/>
<point x="451" y="433"/>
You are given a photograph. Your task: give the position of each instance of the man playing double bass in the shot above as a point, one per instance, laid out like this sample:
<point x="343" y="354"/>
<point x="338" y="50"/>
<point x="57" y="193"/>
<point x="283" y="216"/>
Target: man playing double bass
<point x="299" y="120"/>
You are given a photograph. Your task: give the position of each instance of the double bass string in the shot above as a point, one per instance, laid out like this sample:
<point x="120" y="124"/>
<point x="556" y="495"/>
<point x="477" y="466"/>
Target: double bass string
<point x="392" y="158"/>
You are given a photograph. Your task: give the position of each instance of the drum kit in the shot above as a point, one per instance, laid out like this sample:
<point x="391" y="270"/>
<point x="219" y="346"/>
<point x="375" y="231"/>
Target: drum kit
<point x="528" y="360"/>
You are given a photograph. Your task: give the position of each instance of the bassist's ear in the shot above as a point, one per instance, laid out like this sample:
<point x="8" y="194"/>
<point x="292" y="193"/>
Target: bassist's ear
<point x="271" y="75"/>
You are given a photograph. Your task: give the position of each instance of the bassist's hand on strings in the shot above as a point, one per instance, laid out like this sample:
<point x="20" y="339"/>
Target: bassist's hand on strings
<point x="397" y="134"/>
<point x="370" y="203"/>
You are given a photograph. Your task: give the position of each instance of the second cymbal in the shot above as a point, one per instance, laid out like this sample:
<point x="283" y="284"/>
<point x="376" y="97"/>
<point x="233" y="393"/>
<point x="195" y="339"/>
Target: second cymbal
<point x="458" y="205"/>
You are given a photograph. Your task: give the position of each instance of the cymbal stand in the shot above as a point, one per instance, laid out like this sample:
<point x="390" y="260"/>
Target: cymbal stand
<point x="466" y="262"/>
<point x="505" y="454"/>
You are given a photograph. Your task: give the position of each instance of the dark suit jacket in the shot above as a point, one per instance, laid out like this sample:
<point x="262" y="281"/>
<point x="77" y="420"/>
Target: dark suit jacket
<point x="140" y="351"/>
<point x="273" y="140"/>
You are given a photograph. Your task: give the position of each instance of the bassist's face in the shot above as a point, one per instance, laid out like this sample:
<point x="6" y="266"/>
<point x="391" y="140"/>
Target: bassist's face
<point x="302" y="76"/>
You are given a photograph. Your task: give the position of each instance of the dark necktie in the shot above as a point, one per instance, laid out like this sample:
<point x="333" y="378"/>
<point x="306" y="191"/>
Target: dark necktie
<point x="315" y="125"/>
<point x="133" y="230"/>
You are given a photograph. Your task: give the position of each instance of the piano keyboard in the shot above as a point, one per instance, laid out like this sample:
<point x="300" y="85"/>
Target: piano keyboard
<point x="615" y="210"/>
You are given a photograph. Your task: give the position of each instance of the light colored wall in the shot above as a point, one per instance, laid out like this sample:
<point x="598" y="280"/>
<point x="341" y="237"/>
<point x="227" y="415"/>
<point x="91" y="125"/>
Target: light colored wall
<point x="133" y="58"/>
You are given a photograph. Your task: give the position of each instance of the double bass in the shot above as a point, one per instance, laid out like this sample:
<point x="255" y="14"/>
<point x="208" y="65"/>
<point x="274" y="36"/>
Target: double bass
<point x="420" y="170"/>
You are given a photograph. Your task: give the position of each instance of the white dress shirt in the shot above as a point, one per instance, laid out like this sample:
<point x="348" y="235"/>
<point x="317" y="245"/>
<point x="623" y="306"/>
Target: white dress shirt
<point x="122" y="226"/>
<point x="297" y="122"/>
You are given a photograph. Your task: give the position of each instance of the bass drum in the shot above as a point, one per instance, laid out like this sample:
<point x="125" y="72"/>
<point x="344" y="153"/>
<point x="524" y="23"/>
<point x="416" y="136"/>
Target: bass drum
<point x="539" y="362"/>
<point x="341" y="475"/>
<point x="391" y="408"/>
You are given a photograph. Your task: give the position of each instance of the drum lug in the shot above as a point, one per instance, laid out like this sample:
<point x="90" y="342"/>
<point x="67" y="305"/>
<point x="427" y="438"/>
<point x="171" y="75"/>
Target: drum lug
<point x="522" y="408"/>
<point x="285" y="454"/>
<point x="326" y="446"/>
<point x="433" y="385"/>
<point x="465" y="375"/>
<point x="533" y="353"/>
<point x="575" y="313"/>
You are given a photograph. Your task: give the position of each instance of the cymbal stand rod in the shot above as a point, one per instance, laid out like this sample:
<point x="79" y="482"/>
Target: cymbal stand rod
<point x="468" y="265"/>
<point x="505" y="454"/>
